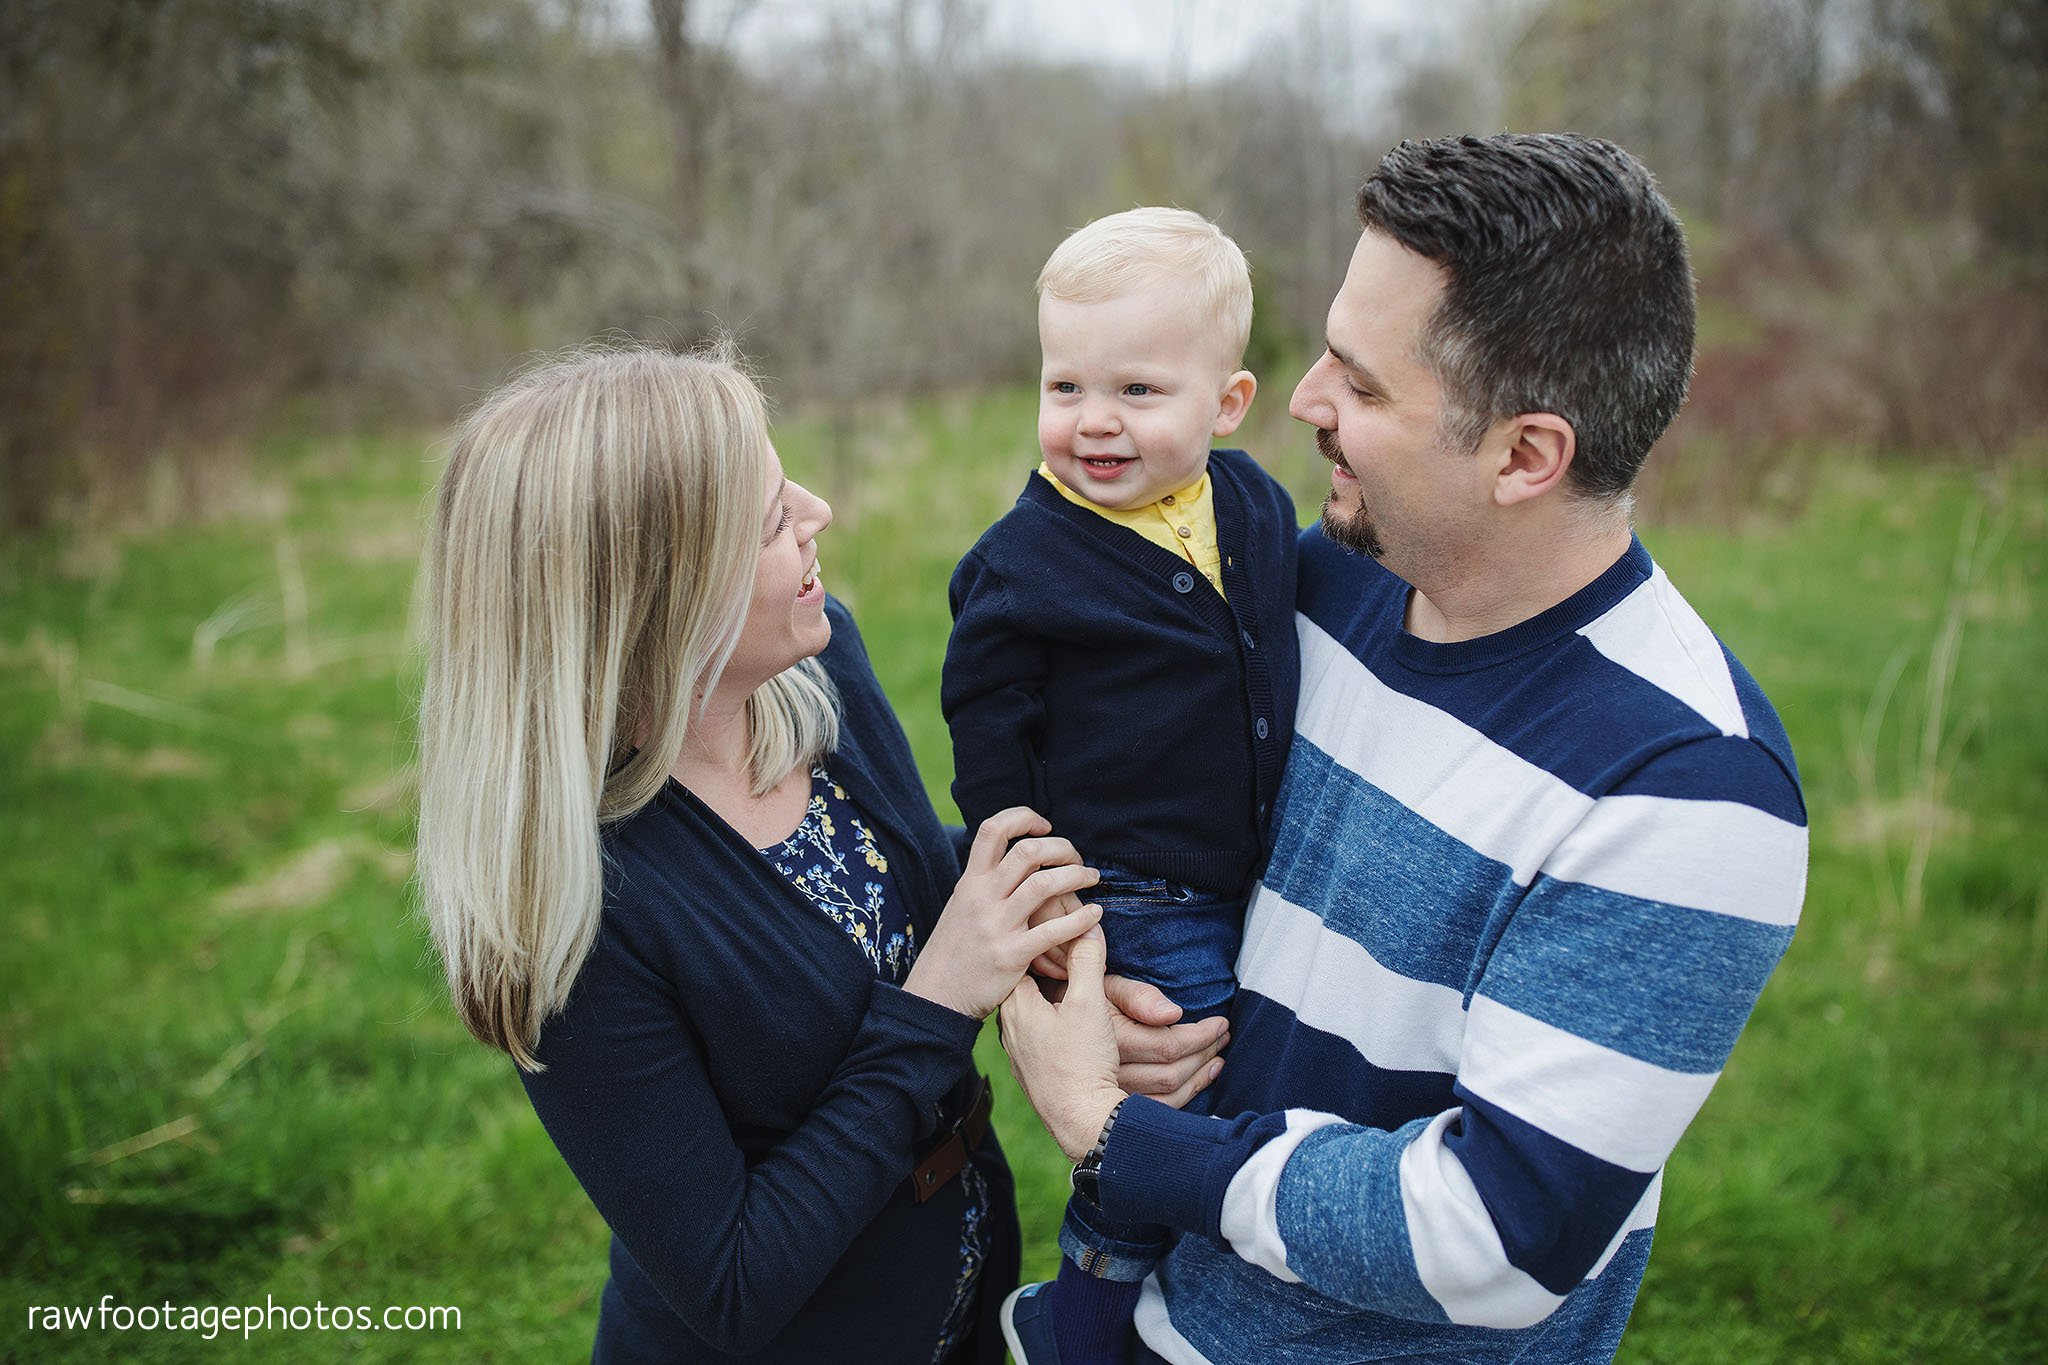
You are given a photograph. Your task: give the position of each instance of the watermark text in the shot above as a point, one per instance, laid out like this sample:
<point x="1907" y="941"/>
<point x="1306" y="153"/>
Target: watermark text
<point x="244" y="1320"/>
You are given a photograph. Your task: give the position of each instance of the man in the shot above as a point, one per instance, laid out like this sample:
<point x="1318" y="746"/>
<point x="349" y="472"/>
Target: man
<point x="1540" y="842"/>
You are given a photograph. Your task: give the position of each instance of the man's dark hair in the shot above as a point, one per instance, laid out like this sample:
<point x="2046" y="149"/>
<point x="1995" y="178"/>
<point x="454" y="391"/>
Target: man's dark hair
<point x="1567" y="289"/>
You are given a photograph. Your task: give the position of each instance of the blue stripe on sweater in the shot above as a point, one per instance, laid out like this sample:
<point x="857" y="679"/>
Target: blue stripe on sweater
<point x="1220" y="1304"/>
<point x="1341" y="1168"/>
<point x="1762" y="718"/>
<point x="1555" y="1207"/>
<point x="1660" y="983"/>
<point x="1422" y="906"/>
<point x="1743" y="771"/>
<point x="1575" y="713"/>
<point x="1276" y="1062"/>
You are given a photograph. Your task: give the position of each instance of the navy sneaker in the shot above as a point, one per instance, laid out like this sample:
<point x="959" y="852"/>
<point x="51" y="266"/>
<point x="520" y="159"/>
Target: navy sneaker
<point x="1027" y="1325"/>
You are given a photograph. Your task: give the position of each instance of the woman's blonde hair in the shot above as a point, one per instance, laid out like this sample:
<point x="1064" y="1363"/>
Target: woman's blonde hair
<point x="587" y="571"/>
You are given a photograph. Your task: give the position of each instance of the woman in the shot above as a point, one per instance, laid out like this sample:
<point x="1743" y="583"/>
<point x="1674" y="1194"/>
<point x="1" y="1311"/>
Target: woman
<point x="680" y="866"/>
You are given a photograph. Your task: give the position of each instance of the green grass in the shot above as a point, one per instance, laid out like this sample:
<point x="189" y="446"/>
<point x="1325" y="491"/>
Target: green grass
<point x="227" y="1070"/>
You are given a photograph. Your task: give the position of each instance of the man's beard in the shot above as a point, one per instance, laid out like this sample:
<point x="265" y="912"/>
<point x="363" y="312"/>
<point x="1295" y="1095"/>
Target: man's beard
<point x="1352" y="530"/>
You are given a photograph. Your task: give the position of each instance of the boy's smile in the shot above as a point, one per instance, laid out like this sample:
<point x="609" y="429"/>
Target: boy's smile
<point x="1131" y="392"/>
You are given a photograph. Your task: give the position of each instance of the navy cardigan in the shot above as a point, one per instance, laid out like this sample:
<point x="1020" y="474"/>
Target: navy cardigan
<point x="1099" y="679"/>
<point x="743" y="1100"/>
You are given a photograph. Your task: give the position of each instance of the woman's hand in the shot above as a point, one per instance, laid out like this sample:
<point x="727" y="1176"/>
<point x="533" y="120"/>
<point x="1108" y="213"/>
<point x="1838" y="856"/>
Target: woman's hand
<point x="985" y="938"/>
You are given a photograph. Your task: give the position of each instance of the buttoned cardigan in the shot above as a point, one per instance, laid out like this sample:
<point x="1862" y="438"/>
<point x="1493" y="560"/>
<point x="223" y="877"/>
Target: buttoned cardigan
<point x="744" y="1101"/>
<point x="1100" y="679"/>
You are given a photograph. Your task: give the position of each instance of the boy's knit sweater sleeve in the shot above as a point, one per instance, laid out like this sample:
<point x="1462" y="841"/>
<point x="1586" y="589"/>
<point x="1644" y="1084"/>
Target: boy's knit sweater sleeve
<point x="735" y="1247"/>
<point x="1593" y="1031"/>
<point x="992" y="695"/>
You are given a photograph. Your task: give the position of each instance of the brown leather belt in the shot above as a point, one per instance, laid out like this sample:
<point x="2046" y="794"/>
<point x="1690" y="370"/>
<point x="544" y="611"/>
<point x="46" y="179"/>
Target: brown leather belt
<point x="949" y="1154"/>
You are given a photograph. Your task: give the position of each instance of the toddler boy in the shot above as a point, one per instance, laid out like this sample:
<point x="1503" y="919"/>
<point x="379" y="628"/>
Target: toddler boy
<point x="1123" y="658"/>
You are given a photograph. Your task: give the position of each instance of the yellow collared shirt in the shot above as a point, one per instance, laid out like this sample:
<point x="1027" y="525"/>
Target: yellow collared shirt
<point x="1183" y="522"/>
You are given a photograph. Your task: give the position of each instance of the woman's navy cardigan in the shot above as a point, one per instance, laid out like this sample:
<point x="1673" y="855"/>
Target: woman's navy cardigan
<point x="743" y="1100"/>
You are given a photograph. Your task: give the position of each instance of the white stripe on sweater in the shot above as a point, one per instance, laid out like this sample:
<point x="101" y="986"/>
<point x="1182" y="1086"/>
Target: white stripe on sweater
<point x="1251" y="1219"/>
<point x="1156" y="1329"/>
<point x="1504" y="807"/>
<point x="1611" y="1106"/>
<point x="1655" y="634"/>
<point x="1333" y="984"/>
<point x="1707" y="855"/>
<point x="1458" y="1253"/>
<point x="1486" y="797"/>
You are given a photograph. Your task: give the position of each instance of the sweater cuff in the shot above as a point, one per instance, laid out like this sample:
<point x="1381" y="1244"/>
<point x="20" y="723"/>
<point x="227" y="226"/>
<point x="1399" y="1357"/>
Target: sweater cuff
<point x="1161" y="1166"/>
<point x="926" y="1046"/>
<point x="925" y="1017"/>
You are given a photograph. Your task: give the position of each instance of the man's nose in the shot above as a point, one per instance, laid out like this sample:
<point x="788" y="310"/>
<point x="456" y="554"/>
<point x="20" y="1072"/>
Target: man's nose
<point x="1310" y="402"/>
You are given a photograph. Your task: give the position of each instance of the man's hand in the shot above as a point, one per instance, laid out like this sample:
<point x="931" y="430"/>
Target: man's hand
<point x="1170" y="1062"/>
<point x="1064" y="1054"/>
<point x="1157" y="1057"/>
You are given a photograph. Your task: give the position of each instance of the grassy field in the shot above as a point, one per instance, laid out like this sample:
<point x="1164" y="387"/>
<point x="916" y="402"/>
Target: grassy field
<point x="227" y="1072"/>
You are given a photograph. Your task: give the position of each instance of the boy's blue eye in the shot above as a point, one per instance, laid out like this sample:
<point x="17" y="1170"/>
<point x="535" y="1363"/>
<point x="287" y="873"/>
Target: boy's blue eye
<point x="1138" y="390"/>
<point x="1065" y="386"/>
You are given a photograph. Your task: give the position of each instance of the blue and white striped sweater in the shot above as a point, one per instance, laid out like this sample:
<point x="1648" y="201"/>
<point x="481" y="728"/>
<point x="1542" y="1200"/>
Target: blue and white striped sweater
<point x="1523" y="894"/>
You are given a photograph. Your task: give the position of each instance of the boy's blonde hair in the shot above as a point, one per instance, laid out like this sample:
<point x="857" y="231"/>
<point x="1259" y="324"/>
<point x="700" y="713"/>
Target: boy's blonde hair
<point x="586" y="576"/>
<point x="1113" y="256"/>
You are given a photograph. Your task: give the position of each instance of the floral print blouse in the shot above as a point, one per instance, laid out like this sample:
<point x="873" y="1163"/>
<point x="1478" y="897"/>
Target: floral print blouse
<point x="833" y="859"/>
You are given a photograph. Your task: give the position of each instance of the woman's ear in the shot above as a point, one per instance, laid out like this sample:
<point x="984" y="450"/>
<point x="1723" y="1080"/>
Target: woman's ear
<point x="1237" y="400"/>
<point x="1539" y="447"/>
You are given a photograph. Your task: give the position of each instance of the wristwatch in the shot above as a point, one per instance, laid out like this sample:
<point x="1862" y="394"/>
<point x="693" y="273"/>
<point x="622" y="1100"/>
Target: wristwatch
<point x="1087" y="1177"/>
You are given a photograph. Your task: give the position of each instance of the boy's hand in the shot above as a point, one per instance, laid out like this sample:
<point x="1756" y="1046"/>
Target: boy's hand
<point x="1052" y="963"/>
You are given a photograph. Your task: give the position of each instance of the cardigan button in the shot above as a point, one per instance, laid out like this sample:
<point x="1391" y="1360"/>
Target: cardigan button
<point x="1249" y="642"/>
<point x="1261" y="728"/>
<point x="1183" y="582"/>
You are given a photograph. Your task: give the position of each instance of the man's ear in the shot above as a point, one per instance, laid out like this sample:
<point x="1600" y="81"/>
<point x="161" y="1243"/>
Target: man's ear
<point x="1536" y="450"/>
<point x="1237" y="400"/>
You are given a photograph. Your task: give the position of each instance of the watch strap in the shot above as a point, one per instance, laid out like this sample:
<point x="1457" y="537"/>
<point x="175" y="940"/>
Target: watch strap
<point x="1086" y="1178"/>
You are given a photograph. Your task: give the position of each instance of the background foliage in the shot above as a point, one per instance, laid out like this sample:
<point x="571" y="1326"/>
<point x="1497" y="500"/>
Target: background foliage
<point x="213" y="209"/>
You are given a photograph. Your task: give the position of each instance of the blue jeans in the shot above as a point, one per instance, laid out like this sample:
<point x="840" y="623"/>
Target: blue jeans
<point x="1184" y="942"/>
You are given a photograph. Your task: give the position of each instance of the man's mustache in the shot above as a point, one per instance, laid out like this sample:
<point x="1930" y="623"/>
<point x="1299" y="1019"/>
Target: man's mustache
<point x="1326" y="445"/>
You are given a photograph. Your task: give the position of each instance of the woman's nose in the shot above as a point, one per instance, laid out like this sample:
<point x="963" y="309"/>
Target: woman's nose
<point x="813" y="516"/>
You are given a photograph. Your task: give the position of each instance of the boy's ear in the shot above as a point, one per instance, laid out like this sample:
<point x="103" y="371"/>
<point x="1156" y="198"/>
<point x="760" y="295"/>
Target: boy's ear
<point x="1237" y="400"/>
